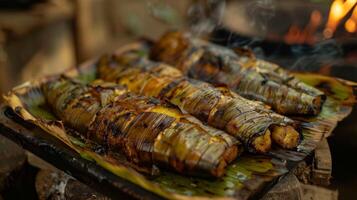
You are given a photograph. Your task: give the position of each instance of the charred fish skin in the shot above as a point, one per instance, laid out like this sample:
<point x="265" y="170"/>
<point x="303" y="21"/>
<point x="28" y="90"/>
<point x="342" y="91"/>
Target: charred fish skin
<point x="252" y="78"/>
<point x="246" y="120"/>
<point x="146" y="131"/>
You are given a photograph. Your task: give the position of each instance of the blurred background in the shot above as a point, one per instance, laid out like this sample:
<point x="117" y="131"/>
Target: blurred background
<point x="43" y="37"/>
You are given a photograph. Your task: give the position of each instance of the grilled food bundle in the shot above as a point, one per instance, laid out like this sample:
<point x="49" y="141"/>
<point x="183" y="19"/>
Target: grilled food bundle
<point x="250" y="77"/>
<point x="153" y="111"/>
<point x="145" y="130"/>
<point x="249" y="121"/>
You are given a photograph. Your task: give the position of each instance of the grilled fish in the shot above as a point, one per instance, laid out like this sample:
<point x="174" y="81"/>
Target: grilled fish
<point x="250" y="77"/>
<point x="248" y="121"/>
<point x="146" y="131"/>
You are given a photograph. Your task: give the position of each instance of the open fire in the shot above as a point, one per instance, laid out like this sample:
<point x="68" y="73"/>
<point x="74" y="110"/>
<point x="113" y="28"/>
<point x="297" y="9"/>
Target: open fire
<point x="339" y="10"/>
<point x="293" y="22"/>
<point x="306" y="35"/>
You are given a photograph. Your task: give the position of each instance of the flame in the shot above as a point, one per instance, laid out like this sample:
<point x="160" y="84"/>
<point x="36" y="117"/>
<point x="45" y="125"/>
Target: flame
<point x="338" y="10"/>
<point x="306" y="35"/>
<point x="354" y="14"/>
<point x="350" y="26"/>
<point x="351" y="23"/>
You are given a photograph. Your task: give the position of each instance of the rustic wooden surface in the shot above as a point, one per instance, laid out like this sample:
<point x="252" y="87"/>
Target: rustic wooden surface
<point x="289" y="188"/>
<point x="318" y="170"/>
<point x="12" y="158"/>
<point x="312" y="192"/>
<point x="51" y="182"/>
<point x="308" y="180"/>
<point x="322" y="165"/>
<point x="56" y="185"/>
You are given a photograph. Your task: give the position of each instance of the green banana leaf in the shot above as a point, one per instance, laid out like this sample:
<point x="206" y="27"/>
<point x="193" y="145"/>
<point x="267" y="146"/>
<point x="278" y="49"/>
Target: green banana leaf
<point x="244" y="177"/>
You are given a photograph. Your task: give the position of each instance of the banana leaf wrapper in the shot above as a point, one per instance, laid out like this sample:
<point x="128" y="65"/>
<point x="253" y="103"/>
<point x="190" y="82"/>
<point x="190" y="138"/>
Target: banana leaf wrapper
<point x="244" y="177"/>
<point x="218" y="107"/>
<point x="239" y="70"/>
<point x="145" y="130"/>
<point x="339" y="101"/>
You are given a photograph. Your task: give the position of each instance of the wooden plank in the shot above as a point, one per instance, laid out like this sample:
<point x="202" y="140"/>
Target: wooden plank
<point x="58" y="185"/>
<point x="288" y="188"/>
<point x="322" y="166"/>
<point x="317" y="172"/>
<point x="12" y="159"/>
<point x="316" y="193"/>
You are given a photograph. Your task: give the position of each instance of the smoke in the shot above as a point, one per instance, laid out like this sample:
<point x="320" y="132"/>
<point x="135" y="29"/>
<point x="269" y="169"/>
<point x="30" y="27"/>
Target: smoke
<point x="260" y="13"/>
<point x="205" y="15"/>
<point x="299" y="57"/>
<point x="311" y="58"/>
<point x="163" y="12"/>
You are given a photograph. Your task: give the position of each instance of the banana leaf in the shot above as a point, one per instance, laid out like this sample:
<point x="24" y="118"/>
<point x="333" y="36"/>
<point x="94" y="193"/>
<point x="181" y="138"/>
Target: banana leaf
<point x="245" y="177"/>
